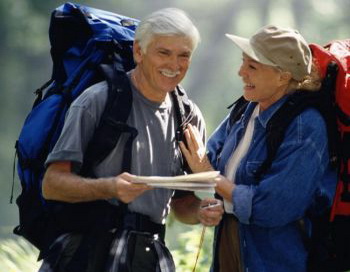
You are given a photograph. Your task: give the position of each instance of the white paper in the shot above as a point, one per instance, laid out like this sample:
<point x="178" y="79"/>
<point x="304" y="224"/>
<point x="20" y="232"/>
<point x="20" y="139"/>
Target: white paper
<point x="205" y="177"/>
<point x="194" y="189"/>
<point x="203" y="182"/>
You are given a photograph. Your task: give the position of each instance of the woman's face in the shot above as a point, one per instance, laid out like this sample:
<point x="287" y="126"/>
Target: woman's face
<point x="264" y="84"/>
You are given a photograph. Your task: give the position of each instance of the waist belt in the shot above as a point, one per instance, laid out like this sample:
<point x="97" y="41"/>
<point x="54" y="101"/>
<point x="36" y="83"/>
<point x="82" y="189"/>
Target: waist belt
<point x="142" y="223"/>
<point x="104" y="239"/>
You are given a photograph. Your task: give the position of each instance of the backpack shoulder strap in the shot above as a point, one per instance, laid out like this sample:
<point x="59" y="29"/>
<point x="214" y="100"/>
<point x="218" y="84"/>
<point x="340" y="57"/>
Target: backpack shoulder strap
<point x="277" y="126"/>
<point x="184" y="113"/>
<point x="298" y="102"/>
<point x="238" y="108"/>
<point x="113" y="121"/>
<point x="184" y="110"/>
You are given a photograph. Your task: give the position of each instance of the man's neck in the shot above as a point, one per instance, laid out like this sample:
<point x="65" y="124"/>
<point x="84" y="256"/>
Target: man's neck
<point x="136" y="78"/>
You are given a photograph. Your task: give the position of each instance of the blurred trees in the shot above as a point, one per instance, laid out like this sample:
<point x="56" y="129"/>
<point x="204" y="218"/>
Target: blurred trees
<point x="212" y="80"/>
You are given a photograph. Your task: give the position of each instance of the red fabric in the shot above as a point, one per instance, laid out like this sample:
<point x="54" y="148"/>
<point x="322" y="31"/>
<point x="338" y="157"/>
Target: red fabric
<point x="338" y="51"/>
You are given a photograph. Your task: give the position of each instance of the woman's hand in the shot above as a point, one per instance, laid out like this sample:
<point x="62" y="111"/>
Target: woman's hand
<point x="210" y="212"/>
<point x="224" y="187"/>
<point x="194" y="151"/>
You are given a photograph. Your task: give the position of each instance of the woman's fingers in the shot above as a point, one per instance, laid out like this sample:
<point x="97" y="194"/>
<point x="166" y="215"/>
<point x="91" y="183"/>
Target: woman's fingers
<point x="194" y="150"/>
<point x="192" y="136"/>
<point x="184" y="150"/>
<point x="211" y="212"/>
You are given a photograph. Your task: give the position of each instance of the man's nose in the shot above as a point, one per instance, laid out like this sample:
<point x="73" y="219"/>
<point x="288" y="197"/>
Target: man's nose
<point x="174" y="63"/>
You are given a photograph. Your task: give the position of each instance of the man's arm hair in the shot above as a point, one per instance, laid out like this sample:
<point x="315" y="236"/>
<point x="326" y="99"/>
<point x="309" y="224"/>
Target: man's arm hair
<point x="61" y="184"/>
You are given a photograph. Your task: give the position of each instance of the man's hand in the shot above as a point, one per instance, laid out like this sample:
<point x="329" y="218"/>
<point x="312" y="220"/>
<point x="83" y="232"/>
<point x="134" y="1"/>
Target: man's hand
<point x="125" y="190"/>
<point x="195" y="152"/>
<point x="61" y="184"/>
<point x="210" y="212"/>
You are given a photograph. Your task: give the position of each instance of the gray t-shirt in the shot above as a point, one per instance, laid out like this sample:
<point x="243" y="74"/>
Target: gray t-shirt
<point x="154" y="150"/>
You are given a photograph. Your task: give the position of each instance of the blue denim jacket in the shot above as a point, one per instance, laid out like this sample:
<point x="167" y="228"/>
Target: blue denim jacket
<point x="268" y="213"/>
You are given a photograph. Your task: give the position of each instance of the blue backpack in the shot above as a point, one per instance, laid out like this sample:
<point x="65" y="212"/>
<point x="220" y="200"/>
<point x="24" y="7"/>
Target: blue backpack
<point x="87" y="46"/>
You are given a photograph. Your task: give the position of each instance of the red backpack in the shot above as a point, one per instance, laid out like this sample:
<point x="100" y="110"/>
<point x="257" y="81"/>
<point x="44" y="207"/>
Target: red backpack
<point x="338" y="51"/>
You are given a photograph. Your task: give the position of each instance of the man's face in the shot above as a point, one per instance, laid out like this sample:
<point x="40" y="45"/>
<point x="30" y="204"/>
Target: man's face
<point x="163" y="65"/>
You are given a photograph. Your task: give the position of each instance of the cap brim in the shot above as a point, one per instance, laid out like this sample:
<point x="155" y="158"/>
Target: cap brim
<point x="245" y="45"/>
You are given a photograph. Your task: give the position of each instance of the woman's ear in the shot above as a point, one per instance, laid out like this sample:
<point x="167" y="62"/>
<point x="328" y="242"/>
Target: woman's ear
<point x="285" y="77"/>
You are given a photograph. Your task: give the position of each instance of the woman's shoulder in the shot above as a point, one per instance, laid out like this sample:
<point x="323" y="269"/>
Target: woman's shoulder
<point x="312" y="117"/>
<point x="310" y="123"/>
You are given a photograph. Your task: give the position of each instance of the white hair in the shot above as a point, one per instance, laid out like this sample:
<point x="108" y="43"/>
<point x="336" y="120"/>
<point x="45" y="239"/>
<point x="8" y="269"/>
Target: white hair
<point x="166" y="22"/>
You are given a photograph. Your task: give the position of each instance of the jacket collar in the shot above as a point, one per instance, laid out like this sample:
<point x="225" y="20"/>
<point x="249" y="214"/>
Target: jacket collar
<point x="265" y="116"/>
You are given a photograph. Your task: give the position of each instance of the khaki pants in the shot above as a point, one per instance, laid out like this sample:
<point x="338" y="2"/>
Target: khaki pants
<point x="229" y="247"/>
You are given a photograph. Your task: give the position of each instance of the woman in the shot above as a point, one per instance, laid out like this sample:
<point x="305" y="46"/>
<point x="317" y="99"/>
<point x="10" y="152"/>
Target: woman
<point x="264" y="216"/>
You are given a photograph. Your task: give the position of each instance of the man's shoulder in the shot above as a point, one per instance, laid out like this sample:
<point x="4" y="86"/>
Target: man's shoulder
<point x="187" y="100"/>
<point x="95" y="94"/>
<point x="96" y="90"/>
<point x="193" y="113"/>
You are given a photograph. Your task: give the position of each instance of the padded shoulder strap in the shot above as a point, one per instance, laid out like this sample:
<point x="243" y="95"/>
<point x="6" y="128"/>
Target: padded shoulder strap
<point x="277" y="127"/>
<point x="113" y="121"/>
<point x="298" y="102"/>
<point x="238" y="108"/>
<point x="183" y="110"/>
<point x="184" y="113"/>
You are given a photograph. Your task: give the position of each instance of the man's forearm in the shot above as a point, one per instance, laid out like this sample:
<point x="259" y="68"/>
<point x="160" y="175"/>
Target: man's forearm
<point x="186" y="209"/>
<point x="62" y="185"/>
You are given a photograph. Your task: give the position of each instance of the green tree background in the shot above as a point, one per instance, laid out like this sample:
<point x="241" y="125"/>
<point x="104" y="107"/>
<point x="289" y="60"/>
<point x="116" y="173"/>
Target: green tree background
<point x="212" y="81"/>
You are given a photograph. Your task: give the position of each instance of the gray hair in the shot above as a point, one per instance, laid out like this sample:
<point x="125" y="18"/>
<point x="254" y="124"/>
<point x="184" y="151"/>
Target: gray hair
<point x="166" y="22"/>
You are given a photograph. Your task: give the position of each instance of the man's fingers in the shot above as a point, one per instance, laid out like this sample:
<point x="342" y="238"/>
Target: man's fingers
<point x="140" y="187"/>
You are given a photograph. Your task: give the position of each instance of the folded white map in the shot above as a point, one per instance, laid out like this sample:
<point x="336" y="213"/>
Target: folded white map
<point x="203" y="181"/>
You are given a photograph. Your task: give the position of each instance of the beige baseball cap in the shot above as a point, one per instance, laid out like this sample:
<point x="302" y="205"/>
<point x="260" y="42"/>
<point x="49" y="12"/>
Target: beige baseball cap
<point x="276" y="46"/>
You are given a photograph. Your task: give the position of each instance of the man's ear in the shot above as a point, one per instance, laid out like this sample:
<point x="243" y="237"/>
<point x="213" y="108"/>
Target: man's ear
<point x="137" y="52"/>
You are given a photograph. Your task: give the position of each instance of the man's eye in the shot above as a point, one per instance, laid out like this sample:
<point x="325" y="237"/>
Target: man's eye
<point x="252" y="67"/>
<point x="185" y="55"/>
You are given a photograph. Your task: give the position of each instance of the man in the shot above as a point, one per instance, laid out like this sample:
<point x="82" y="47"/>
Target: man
<point x="163" y="48"/>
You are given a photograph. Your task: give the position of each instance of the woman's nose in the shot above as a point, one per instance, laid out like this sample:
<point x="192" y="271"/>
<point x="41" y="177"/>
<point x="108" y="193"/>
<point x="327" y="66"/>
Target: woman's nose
<point x="241" y="71"/>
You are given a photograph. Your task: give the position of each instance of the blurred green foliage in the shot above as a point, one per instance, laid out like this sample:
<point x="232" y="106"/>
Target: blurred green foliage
<point x="212" y="81"/>
<point x="187" y="249"/>
<point x="17" y="255"/>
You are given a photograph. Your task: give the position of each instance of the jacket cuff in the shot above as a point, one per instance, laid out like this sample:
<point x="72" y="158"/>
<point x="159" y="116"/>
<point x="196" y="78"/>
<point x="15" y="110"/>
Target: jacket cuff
<point x="242" y="199"/>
